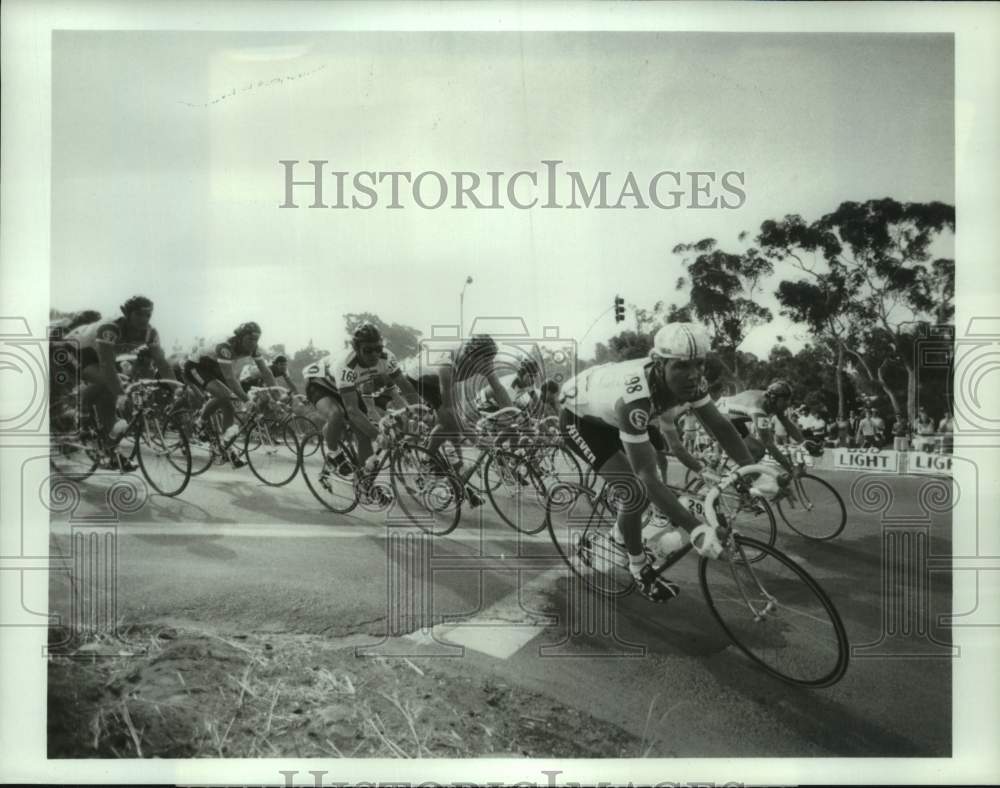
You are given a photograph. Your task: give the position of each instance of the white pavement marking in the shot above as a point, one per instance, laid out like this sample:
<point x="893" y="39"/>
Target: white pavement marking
<point x="504" y="628"/>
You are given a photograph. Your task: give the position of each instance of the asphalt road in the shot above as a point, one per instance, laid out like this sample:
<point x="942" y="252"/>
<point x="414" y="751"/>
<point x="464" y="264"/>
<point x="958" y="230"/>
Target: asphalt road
<point x="236" y="556"/>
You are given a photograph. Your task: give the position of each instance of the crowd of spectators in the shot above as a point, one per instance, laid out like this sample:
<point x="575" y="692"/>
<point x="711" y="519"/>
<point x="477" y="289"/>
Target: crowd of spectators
<point x="866" y="428"/>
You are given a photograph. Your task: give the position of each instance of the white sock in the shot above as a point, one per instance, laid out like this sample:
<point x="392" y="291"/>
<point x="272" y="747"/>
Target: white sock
<point x="636" y="563"/>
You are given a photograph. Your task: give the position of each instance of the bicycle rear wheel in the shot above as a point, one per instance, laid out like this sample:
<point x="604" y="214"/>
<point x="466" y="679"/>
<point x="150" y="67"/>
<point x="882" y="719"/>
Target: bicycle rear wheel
<point x="164" y="454"/>
<point x="818" y="511"/>
<point x="579" y="522"/>
<point x="776" y="614"/>
<point x="425" y="489"/>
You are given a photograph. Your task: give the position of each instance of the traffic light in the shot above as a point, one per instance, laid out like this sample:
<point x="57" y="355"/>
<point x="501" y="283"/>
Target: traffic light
<point x="619" y="309"/>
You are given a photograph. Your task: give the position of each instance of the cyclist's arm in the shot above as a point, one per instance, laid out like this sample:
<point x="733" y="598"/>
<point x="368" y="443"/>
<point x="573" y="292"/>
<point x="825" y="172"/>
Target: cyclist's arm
<point x="358" y="420"/>
<point x="676" y="445"/>
<point x="163" y="367"/>
<point x="634" y="435"/>
<point x="499" y="392"/>
<point x="724" y="432"/>
<point x="793" y="431"/>
<point x="766" y="437"/>
<point x="291" y="384"/>
<point x="265" y="372"/>
<point x="107" y="358"/>
<point x="404" y="388"/>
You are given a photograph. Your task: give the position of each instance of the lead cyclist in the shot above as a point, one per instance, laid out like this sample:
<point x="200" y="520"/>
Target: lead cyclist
<point x="606" y="420"/>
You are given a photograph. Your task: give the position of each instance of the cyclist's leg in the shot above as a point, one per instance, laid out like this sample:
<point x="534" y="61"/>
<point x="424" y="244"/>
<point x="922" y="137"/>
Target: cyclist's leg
<point x="96" y="396"/>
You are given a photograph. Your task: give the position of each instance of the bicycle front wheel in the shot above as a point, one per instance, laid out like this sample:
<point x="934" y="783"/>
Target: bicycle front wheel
<point x="331" y="483"/>
<point x="425" y="489"/>
<point x="776" y="614"/>
<point x="272" y="452"/>
<point x="164" y="454"/>
<point x="815" y="510"/>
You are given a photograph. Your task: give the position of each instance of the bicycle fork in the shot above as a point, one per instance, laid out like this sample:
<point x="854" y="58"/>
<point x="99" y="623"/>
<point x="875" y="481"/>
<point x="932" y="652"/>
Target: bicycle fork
<point x="770" y="602"/>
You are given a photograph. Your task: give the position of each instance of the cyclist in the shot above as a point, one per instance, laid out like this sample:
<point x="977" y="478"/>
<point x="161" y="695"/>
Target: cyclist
<point x="335" y="386"/>
<point x="210" y="368"/>
<point x="607" y="419"/>
<point x="250" y="375"/>
<point x="550" y="398"/>
<point x="449" y="385"/>
<point x="97" y="345"/>
<point x="752" y="411"/>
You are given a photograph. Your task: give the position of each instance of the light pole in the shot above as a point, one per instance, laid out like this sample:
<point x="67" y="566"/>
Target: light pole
<point x="461" y="308"/>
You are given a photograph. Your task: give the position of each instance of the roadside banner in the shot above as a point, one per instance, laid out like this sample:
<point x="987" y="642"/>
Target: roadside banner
<point x="926" y="462"/>
<point x="866" y="460"/>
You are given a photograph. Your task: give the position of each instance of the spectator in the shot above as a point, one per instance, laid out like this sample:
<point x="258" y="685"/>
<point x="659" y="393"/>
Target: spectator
<point x="924" y="439"/>
<point x="855" y="421"/>
<point x="843" y="433"/>
<point x="946" y="428"/>
<point x="900" y="433"/>
<point x="879" y="427"/>
<point x="866" y="431"/>
<point x="819" y="427"/>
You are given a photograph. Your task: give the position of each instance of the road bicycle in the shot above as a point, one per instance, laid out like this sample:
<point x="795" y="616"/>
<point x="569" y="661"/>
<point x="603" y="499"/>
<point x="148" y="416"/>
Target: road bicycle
<point x="808" y="505"/>
<point x="420" y="484"/>
<point x="152" y="436"/>
<point x="769" y="606"/>
<point x="267" y="438"/>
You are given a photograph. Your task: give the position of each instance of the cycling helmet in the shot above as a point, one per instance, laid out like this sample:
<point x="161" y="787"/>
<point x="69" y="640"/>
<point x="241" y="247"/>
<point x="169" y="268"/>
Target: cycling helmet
<point x="529" y="367"/>
<point x="134" y="304"/>
<point x="250" y="327"/>
<point x="778" y="389"/>
<point x="687" y="341"/>
<point x="482" y="346"/>
<point x="367" y="332"/>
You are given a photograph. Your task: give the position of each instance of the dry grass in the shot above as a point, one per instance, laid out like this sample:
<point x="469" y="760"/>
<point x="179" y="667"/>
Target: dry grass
<point x="205" y="695"/>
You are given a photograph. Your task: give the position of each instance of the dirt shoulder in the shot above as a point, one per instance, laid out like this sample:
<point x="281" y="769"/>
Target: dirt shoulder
<point x="177" y="693"/>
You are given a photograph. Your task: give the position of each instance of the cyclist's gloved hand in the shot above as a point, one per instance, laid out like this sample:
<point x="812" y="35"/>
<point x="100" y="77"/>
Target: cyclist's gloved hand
<point x="706" y="541"/>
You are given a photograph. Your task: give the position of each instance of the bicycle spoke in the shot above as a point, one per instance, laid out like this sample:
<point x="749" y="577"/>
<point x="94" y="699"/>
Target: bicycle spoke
<point x="777" y="615"/>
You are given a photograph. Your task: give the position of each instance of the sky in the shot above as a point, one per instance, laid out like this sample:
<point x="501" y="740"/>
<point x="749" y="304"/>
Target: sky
<point x="161" y="186"/>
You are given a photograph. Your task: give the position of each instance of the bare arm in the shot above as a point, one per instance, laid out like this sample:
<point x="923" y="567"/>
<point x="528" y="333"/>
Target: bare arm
<point x="725" y="433"/>
<point x="676" y="446"/>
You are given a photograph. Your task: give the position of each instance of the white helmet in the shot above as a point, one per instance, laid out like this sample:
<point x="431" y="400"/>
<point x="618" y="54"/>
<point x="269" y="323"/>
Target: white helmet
<point x="681" y="340"/>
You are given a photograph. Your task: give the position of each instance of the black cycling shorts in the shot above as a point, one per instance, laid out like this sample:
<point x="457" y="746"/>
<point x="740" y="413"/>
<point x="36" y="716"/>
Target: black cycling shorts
<point x="596" y="442"/>
<point x="742" y="425"/>
<point x="318" y="389"/>
<point x="429" y="389"/>
<point x="202" y="372"/>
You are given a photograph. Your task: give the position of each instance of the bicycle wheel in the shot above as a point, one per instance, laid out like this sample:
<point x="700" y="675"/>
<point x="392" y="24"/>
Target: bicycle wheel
<point x="301" y="427"/>
<point x="275" y="457"/>
<point x="776" y="614"/>
<point x="516" y="490"/>
<point x="579" y="522"/>
<point x="71" y="457"/>
<point x="425" y="489"/>
<point x="163" y="453"/>
<point x="816" y="510"/>
<point x="332" y="484"/>
<point x="202" y="454"/>
<point x="750" y="516"/>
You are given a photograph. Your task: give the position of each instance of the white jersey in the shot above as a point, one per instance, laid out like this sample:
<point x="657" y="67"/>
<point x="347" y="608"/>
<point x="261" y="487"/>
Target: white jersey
<point x="598" y="392"/>
<point x="345" y="373"/>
